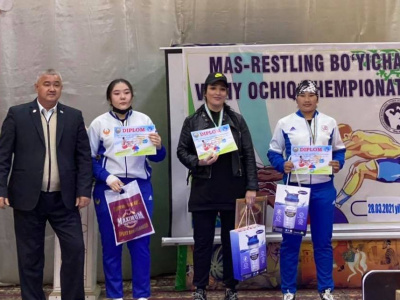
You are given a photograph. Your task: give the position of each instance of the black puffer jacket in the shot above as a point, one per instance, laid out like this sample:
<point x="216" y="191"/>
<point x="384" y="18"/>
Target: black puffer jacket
<point x="243" y="160"/>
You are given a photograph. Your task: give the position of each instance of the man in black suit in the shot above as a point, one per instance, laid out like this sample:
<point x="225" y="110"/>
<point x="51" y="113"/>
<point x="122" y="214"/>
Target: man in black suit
<point x="45" y="145"/>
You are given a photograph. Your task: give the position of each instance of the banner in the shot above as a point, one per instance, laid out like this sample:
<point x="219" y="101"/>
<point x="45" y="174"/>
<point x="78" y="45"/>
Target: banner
<point x="359" y="87"/>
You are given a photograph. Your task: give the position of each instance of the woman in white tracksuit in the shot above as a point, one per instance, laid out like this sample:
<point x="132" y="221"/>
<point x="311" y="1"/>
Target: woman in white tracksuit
<point x="307" y="126"/>
<point x="113" y="172"/>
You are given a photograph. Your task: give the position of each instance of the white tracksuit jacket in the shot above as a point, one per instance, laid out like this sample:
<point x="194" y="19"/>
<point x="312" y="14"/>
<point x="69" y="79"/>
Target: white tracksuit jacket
<point x="101" y="132"/>
<point x="295" y="130"/>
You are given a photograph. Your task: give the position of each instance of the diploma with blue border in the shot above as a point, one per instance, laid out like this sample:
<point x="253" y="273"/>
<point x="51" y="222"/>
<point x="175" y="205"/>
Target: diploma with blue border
<point x="133" y="140"/>
<point x="312" y="159"/>
<point x="217" y="140"/>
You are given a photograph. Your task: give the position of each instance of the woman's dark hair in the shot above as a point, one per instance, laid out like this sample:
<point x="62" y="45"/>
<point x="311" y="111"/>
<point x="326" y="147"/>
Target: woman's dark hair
<point x="113" y="83"/>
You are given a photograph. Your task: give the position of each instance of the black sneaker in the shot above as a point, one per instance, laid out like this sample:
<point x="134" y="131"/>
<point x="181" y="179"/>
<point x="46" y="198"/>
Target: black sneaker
<point x="199" y="294"/>
<point x="231" y="295"/>
<point x="326" y="295"/>
<point x="289" y="296"/>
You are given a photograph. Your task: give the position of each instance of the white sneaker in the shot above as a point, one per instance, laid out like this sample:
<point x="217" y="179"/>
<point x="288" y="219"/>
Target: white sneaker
<point x="326" y="295"/>
<point x="142" y="299"/>
<point x="289" y="296"/>
<point x="118" y="299"/>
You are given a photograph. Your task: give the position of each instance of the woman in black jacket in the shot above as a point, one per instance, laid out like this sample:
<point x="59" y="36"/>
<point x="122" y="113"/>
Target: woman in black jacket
<point x="217" y="181"/>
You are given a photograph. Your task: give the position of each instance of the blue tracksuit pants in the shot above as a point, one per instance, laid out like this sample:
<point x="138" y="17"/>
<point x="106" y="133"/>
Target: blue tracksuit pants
<point x="112" y="254"/>
<point x="321" y="210"/>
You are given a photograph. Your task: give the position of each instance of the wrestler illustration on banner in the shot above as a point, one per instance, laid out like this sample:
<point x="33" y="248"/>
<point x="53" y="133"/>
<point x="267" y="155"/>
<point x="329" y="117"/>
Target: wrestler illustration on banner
<point x="380" y="154"/>
<point x="267" y="180"/>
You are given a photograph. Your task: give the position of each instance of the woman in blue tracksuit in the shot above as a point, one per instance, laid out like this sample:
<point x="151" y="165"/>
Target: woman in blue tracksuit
<point x="307" y="126"/>
<point x="113" y="172"/>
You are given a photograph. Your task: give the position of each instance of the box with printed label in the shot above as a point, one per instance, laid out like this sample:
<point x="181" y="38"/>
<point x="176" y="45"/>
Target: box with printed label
<point x="249" y="251"/>
<point x="291" y="209"/>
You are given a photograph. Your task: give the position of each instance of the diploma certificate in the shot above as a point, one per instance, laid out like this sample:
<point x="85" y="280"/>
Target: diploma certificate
<point x="217" y="140"/>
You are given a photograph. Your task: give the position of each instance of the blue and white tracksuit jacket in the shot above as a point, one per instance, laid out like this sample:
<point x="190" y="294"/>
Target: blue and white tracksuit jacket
<point x="127" y="169"/>
<point x="295" y="130"/>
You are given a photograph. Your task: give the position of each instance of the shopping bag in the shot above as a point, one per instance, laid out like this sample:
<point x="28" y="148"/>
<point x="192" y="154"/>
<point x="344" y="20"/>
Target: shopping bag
<point x="249" y="251"/>
<point x="259" y="210"/>
<point x="128" y="213"/>
<point x="291" y="209"/>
